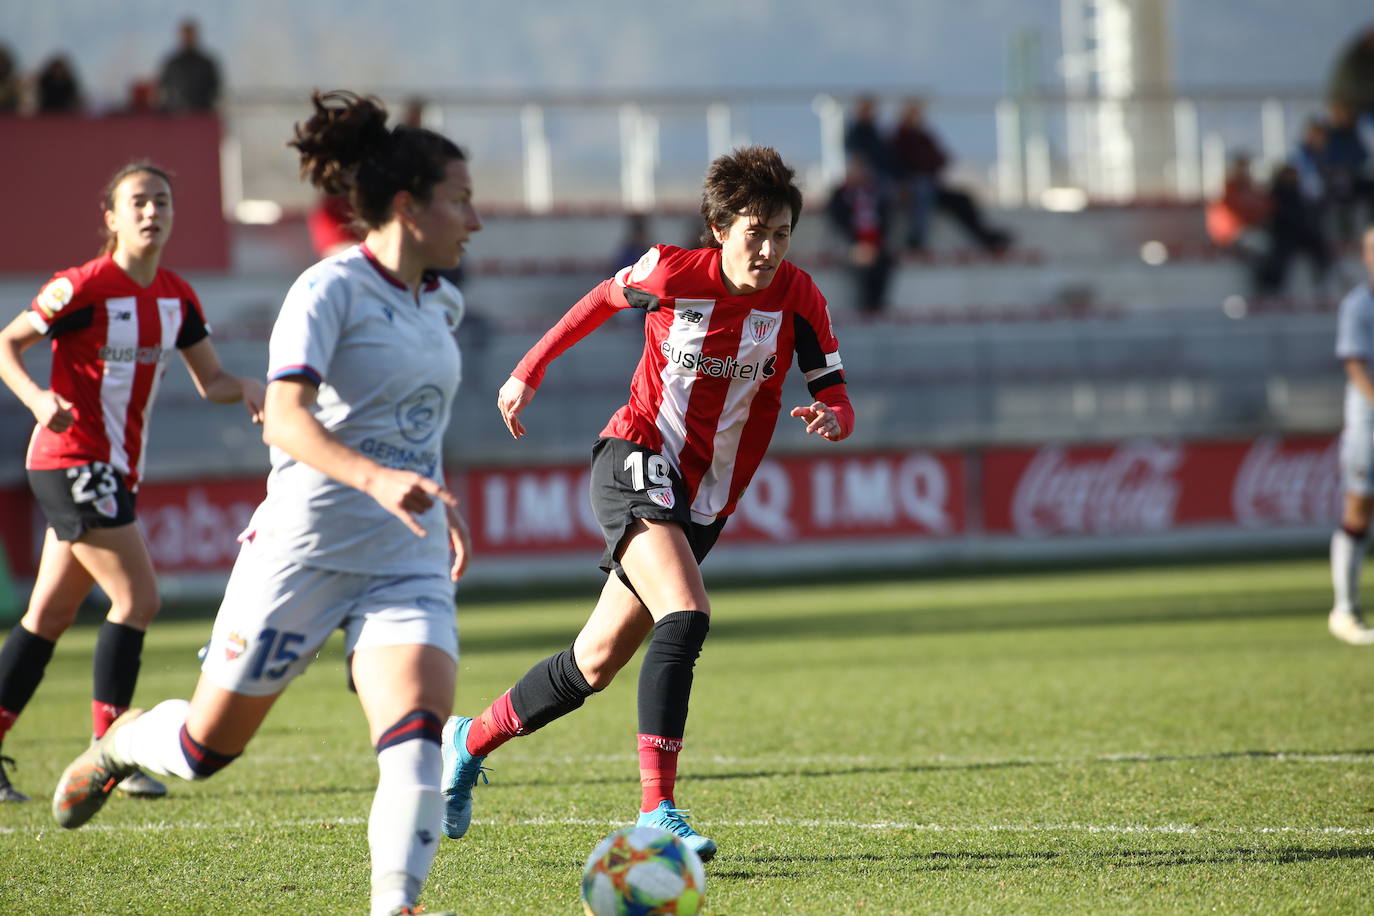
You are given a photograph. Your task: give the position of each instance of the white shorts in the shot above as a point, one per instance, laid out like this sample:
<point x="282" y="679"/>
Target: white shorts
<point x="1357" y="453"/>
<point x="276" y="614"/>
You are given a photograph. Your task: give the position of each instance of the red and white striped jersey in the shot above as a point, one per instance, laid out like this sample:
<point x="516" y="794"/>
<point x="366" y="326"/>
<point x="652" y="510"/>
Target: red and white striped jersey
<point x="708" y="389"/>
<point x="111" y="340"/>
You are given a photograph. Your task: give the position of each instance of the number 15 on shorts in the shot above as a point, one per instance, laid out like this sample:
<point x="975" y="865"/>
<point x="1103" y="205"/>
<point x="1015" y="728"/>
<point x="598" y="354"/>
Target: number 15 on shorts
<point x="274" y="653"/>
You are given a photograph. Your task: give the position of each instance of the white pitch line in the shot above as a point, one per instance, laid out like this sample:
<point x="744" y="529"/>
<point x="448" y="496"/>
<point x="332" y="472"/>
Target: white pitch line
<point x="916" y="826"/>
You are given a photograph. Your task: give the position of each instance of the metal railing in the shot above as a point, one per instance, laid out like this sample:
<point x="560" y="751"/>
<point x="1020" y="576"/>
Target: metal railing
<point x="545" y="152"/>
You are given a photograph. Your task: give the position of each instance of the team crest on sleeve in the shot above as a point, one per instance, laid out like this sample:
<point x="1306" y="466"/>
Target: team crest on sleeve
<point x="234" y="646"/>
<point x="762" y="325"/>
<point x="55" y="296"/>
<point x="644" y="266"/>
<point x="662" y="495"/>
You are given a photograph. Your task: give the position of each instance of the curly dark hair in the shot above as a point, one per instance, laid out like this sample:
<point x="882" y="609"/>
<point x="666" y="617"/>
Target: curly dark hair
<point x="346" y="148"/>
<point x="752" y="180"/>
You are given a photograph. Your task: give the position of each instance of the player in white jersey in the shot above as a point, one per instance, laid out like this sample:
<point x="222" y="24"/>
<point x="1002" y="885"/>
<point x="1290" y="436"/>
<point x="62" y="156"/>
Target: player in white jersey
<point x="357" y="531"/>
<point x="1355" y="348"/>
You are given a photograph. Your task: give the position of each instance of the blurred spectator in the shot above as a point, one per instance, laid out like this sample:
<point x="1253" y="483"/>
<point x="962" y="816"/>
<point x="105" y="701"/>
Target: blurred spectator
<point x="189" y="79"/>
<point x="1237" y="220"/>
<point x="413" y="115"/>
<point x="919" y="160"/>
<point x="860" y="211"/>
<point x="1349" y="169"/>
<point x="57" y="87"/>
<point x="1352" y="75"/>
<point x="633" y="243"/>
<point x="1295" y="228"/>
<point x="9" y="82"/>
<point x="863" y="137"/>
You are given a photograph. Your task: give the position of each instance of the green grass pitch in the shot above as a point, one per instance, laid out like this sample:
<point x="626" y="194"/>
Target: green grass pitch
<point x="1176" y="739"/>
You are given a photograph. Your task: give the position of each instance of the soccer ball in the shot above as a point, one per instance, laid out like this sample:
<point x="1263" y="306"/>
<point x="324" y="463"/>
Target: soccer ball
<point x="642" y="871"/>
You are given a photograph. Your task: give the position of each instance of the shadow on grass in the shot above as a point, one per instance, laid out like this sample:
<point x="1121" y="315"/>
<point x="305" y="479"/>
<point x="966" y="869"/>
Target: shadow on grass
<point x="924" y="621"/>
<point x="746" y="867"/>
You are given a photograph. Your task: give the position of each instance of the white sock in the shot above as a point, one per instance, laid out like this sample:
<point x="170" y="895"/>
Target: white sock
<point x="153" y="740"/>
<point x="1347" y="558"/>
<point x="403" y="828"/>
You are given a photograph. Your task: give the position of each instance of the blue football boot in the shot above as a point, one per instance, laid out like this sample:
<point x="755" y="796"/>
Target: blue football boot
<point x="674" y="820"/>
<point x="461" y="770"/>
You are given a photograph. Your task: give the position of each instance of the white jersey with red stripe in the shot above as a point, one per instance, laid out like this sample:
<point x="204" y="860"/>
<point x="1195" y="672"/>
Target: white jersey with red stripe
<point x="708" y="389"/>
<point x="111" y="340"/>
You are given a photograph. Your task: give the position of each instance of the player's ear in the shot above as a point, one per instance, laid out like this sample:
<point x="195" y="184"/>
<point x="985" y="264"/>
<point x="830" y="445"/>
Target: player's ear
<point x="403" y="205"/>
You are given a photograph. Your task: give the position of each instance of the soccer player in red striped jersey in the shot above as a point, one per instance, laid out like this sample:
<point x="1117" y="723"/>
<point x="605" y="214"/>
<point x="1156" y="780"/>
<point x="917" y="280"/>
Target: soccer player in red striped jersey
<point x="723" y="324"/>
<point x="113" y="322"/>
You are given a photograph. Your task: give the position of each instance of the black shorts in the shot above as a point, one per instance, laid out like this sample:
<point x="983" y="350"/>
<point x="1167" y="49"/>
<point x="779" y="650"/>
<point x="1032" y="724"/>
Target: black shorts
<point x="87" y="496"/>
<point x="629" y="482"/>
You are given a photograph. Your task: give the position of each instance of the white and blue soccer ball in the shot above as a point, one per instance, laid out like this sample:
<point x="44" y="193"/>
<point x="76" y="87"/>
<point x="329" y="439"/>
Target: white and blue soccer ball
<point x="643" y="871"/>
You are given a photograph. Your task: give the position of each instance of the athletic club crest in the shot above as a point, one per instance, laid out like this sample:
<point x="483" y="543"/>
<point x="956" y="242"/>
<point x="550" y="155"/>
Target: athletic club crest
<point x="662" y="495"/>
<point x="235" y="645"/>
<point x="107" y="506"/>
<point x="644" y="266"/>
<point x="761" y="326"/>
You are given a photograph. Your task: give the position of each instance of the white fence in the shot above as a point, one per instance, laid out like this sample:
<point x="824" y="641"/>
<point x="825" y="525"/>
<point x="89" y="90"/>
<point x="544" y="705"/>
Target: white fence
<point x="545" y="152"/>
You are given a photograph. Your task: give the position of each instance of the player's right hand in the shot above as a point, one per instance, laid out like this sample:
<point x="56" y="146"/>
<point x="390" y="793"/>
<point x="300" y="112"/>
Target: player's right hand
<point x="406" y="494"/>
<point x="511" y="400"/>
<point x="53" y="411"/>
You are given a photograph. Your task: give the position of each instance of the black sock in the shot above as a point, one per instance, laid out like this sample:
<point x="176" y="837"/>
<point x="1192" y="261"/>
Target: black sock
<point x="114" y="673"/>
<point x="552" y="688"/>
<point x="23" y="659"/>
<point x="665" y="678"/>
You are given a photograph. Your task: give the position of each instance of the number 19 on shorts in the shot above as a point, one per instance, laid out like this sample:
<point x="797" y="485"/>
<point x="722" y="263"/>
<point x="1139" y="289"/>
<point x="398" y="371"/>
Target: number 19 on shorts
<point x="655" y="468"/>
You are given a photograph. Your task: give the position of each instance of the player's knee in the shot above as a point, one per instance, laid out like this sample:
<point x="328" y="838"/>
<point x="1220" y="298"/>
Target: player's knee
<point x="679" y="636"/>
<point x="48" y="621"/>
<point x="598" y="664"/>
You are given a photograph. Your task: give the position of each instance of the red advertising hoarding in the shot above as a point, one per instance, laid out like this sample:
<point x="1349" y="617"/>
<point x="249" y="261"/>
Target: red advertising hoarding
<point x="1025" y="494"/>
<point x="1149" y="486"/>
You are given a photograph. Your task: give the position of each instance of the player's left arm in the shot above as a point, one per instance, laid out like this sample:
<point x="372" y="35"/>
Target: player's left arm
<point x="829" y="415"/>
<point x="215" y="383"/>
<point x="459" y="539"/>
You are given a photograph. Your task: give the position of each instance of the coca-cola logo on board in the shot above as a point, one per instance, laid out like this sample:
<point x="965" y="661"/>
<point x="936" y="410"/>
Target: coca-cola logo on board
<point x="1281" y="487"/>
<point x="1132" y="489"/>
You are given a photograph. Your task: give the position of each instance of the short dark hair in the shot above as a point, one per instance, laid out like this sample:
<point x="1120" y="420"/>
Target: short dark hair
<point x="346" y="148"/>
<point x="752" y="180"/>
<point x="107" y="196"/>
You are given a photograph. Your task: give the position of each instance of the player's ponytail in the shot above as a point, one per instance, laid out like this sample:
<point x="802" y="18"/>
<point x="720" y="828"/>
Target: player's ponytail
<point x="346" y="148"/>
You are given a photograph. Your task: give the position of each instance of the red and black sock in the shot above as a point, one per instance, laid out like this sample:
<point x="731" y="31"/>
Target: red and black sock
<point x="551" y="689"/>
<point x="23" y="659"/>
<point x="665" y="688"/>
<point x="114" y="673"/>
<point x="496" y="725"/>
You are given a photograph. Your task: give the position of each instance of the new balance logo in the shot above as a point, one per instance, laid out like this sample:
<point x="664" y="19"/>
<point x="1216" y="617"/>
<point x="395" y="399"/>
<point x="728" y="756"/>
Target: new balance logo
<point x="121" y="315"/>
<point x="691" y="316"/>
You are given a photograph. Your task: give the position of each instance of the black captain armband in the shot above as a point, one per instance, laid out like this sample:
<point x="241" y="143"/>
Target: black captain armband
<point x="639" y="299"/>
<point x="193" y="327"/>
